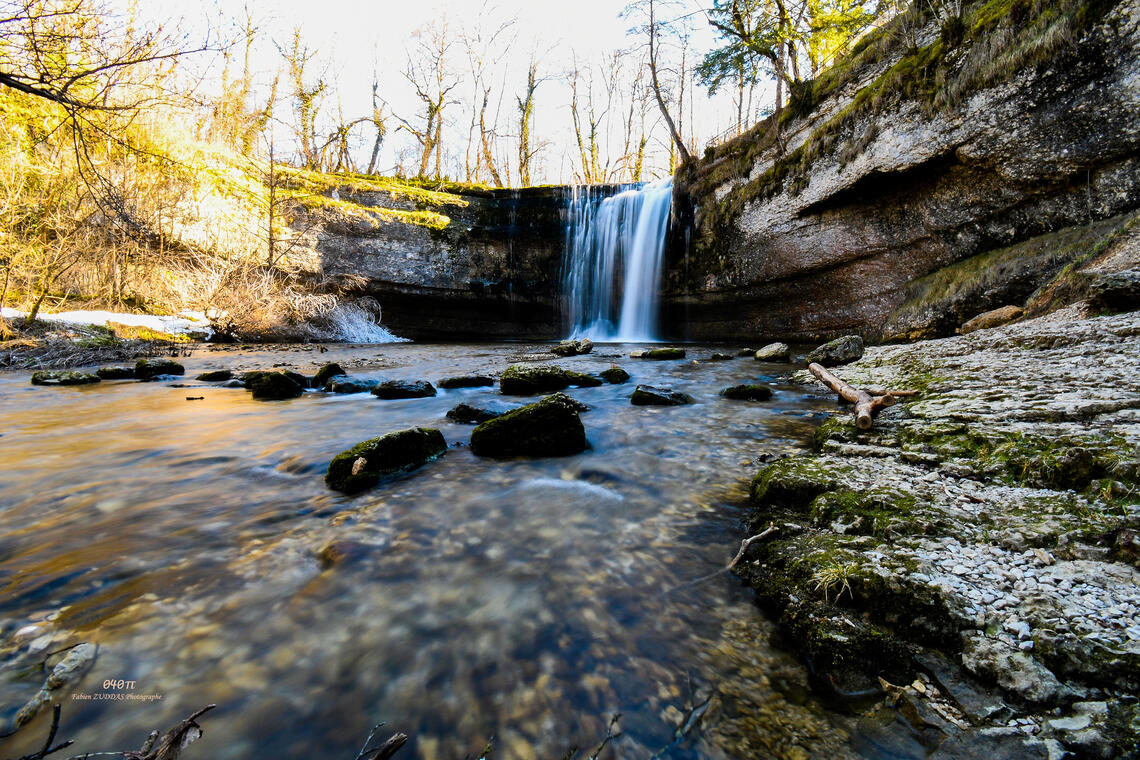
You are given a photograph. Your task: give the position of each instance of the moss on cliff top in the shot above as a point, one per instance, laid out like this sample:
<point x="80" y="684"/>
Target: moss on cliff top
<point x="420" y="192"/>
<point x="369" y="214"/>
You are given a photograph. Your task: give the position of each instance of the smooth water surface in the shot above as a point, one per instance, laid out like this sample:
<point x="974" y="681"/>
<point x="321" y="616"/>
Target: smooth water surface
<point x="529" y="600"/>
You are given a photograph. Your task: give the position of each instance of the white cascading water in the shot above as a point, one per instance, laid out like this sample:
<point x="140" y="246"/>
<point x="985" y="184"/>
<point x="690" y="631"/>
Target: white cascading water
<point x="614" y="250"/>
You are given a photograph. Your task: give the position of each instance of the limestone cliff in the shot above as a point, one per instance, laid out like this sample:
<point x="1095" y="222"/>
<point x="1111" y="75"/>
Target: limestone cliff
<point x="937" y="140"/>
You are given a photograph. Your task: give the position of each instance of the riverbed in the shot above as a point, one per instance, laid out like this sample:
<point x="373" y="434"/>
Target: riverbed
<point x="529" y="600"/>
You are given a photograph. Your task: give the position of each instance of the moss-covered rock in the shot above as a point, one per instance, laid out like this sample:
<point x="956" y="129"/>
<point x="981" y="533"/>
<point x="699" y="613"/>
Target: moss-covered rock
<point x="878" y="512"/>
<point x="615" y="375"/>
<point x="466" y="381"/>
<point x="527" y="379"/>
<point x="648" y="395"/>
<point x="145" y="369"/>
<point x="366" y="464"/>
<point x="327" y="372"/>
<point x="116" y="373"/>
<point x="347" y="384"/>
<point x="773" y="352"/>
<point x="63" y="377"/>
<point x="215" y="376"/>
<point x="796" y="481"/>
<point x="843" y="350"/>
<point x="395" y="389"/>
<point x="582" y="380"/>
<point x="573" y="347"/>
<point x="748" y="392"/>
<point x="658" y="353"/>
<point x="550" y="427"/>
<point x="273" y="386"/>
<point x="470" y="414"/>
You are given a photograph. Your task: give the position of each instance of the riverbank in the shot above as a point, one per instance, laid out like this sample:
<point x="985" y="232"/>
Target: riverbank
<point x="977" y="550"/>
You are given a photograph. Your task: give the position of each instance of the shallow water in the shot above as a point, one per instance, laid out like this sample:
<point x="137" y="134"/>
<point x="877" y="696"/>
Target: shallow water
<point x="529" y="600"/>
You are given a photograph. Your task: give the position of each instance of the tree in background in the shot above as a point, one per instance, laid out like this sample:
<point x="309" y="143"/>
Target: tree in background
<point x="528" y="148"/>
<point x="652" y="28"/>
<point x="429" y="71"/>
<point x="306" y="98"/>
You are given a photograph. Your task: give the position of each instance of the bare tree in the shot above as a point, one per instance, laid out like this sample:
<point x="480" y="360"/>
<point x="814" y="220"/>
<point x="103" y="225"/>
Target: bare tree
<point x="379" y="122"/>
<point x="527" y="148"/>
<point x="652" y="29"/>
<point x="428" y="71"/>
<point x="486" y="49"/>
<point x="306" y="98"/>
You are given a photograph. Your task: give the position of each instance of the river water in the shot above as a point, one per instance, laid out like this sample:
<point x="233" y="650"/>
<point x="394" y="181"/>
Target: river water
<point x="528" y="600"/>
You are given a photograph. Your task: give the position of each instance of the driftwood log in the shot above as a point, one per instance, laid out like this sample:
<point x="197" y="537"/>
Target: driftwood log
<point x="867" y="402"/>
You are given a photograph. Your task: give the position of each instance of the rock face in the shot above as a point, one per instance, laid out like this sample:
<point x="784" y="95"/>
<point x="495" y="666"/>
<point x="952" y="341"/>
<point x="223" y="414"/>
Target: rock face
<point x="1118" y="291"/>
<point x="839" y="351"/>
<point x="648" y="395"/>
<point x="548" y="428"/>
<point x="367" y="463"/>
<point x="872" y="193"/>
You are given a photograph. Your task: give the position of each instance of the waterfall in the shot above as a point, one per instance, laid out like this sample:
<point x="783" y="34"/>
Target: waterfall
<point x="614" y="247"/>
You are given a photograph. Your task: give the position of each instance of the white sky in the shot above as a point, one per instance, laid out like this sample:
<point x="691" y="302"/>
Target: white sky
<point x="353" y="38"/>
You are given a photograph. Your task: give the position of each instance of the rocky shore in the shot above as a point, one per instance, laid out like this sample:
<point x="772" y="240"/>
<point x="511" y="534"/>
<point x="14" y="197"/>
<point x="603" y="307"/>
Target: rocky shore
<point x="973" y="558"/>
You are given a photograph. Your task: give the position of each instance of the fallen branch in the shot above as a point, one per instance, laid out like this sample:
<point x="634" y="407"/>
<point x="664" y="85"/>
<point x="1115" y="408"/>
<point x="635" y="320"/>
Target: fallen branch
<point x="867" y="403"/>
<point x="728" y="568"/>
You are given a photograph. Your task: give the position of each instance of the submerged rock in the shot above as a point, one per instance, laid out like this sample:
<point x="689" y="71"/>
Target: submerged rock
<point x="648" y="395"/>
<point x="346" y="384"/>
<point x="582" y="380"/>
<point x="745" y="352"/>
<point x="63" y="377"/>
<point x="615" y="375"/>
<point x="216" y="375"/>
<point x="116" y="373"/>
<point x="774" y="352"/>
<point x="992" y="318"/>
<point x="573" y="347"/>
<point x="327" y="372"/>
<point x="547" y="428"/>
<point x="718" y="357"/>
<point x="273" y="386"/>
<point x="525" y="379"/>
<point x="470" y="414"/>
<point x="395" y="389"/>
<point x="146" y="369"/>
<point x="839" y="351"/>
<point x="658" y="353"/>
<point x="466" y="381"/>
<point x="367" y="463"/>
<point x="748" y="392"/>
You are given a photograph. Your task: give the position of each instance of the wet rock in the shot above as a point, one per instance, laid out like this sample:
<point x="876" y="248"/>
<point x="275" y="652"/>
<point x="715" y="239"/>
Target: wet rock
<point x="395" y="389"/>
<point x="327" y="372"/>
<point x="146" y="369"/>
<point x="1083" y="730"/>
<point x="65" y="673"/>
<point x="366" y="464"/>
<point x="342" y="552"/>
<point x="1012" y="669"/>
<point x="235" y="383"/>
<point x="582" y="380"/>
<point x="796" y="481"/>
<point x="992" y="318"/>
<point x="745" y="352"/>
<point x="63" y="377"/>
<point x="748" y="392"/>
<point x="116" y="373"/>
<point x="573" y="347"/>
<point x="1118" y="291"/>
<point x="347" y="384"/>
<point x="975" y="702"/>
<point x="466" y="381"/>
<point x="472" y="415"/>
<point x="527" y="379"/>
<point x="648" y="395"/>
<point x="273" y="386"/>
<point x="215" y="376"/>
<point x="718" y="357"/>
<point x="615" y="375"/>
<point x="993" y="744"/>
<point x="658" y="353"/>
<point x="550" y="427"/>
<point x="839" y="351"/>
<point x="774" y="352"/>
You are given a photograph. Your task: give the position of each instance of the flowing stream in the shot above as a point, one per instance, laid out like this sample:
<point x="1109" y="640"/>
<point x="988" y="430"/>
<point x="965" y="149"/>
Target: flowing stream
<point x="614" y="247"/>
<point x="529" y="600"/>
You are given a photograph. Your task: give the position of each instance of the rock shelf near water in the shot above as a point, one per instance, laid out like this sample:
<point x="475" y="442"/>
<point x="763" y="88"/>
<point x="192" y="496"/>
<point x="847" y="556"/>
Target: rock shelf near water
<point x="990" y="520"/>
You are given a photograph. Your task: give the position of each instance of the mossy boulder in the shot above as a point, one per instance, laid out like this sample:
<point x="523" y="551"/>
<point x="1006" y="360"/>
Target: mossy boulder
<point x="573" y="347"/>
<point x="582" y="380"/>
<point x="273" y="386"/>
<point x="527" y="379"/>
<point x="648" y="395"/>
<point x="875" y="512"/>
<point x="146" y="369"/>
<point x="658" y="353"/>
<point x="615" y="375"/>
<point x="547" y="428"/>
<point x="466" y="381"/>
<point x="116" y="373"/>
<point x="748" y="392"/>
<point x="468" y="414"/>
<point x="395" y="389"/>
<point x="774" y="352"/>
<point x="366" y="464"/>
<point x="843" y="350"/>
<point x="63" y="377"/>
<point x="215" y="376"/>
<point x="327" y="372"/>
<point x="347" y="384"/>
<point x="796" y="481"/>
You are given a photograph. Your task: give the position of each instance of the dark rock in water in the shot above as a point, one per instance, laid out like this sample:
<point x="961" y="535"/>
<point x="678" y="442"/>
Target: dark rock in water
<point x="326" y="373"/>
<point x="116" y="373"/>
<point x="466" y="381"/>
<point x="471" y="415"/>
<point x="647" y="395"/>
<point x="341" y="552"/>
<point x="992" y="318"/>
<point x="273" y="386"/>
<point x="1118" y="291"/>
<point x="717" y="357"/>
<point x="346" y="384"/>
<point x="748" y="392"/>
<point x="63" y="377"/>
<point x="615" y="375"/>
<point x="582" y="380"/>
<point x="774" y="352"/>
<point x="298" y="378"/>
<point x="658" y="353"/>
<point x="235" y="383"/>
<point x="215" y="376"/>
<point x="839" y="351"/>
<point x="148" y="368"/>
<point x="573" y="403"/>
<point x="745" y="352"/>
<point x="573" y="347"/>
<point x="548" y="428"/>
<point x="395" y="389"/>
<point x="525" y="379"/>
<point x="367" y="463"/>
